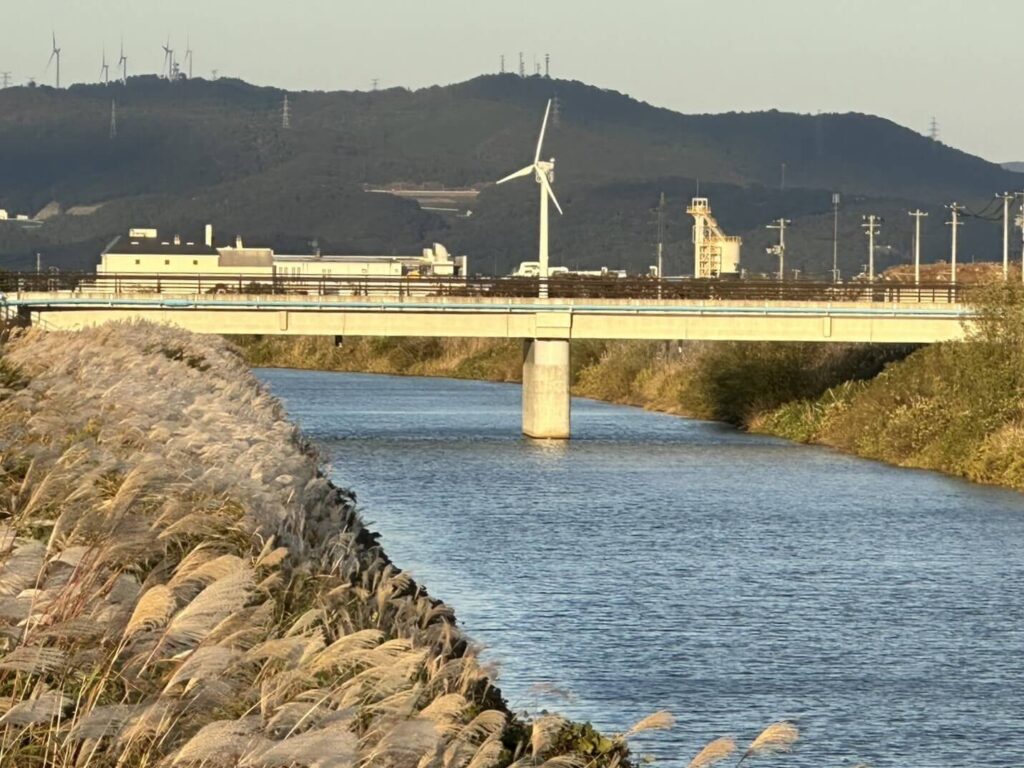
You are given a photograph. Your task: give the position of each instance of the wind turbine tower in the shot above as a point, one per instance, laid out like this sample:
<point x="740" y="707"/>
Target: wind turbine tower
<point x="188" y="56"/>
<point x="55" y="54"/>
<point x="169" y="58"/>
<point x="105" y="68"/>
<point x="122" y="62"/>
<point x="544" y="173"/>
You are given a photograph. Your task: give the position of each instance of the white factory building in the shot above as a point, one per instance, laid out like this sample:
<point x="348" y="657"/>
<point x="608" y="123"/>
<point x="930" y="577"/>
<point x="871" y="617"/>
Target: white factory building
<point x="144" y="252"/>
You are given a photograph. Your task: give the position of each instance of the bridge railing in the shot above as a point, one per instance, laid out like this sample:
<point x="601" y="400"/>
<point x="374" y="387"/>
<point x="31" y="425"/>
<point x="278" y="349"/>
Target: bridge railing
<point x="412" y="287"/>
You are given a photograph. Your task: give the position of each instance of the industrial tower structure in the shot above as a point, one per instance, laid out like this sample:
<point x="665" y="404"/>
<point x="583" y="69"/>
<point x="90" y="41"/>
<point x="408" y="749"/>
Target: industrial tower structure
<point x="715" y="253"/>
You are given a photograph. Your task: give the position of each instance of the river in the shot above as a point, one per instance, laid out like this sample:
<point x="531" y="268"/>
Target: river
<point x="655" y="562"/>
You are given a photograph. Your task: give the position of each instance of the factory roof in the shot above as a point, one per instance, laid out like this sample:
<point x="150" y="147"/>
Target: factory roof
<point x="153" y="246"/>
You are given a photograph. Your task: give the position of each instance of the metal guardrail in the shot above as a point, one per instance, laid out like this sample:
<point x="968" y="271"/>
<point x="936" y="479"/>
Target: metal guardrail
<point x="558" y="287"/>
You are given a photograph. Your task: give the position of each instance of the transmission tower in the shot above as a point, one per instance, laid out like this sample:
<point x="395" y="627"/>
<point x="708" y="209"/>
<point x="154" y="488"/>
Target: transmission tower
<point x="113" y="119"/>
<point x="375" y="82"/>
<point x="286" y="114"/>
<point x="5" y="78"/>
<point x="522" y="65"/>
<point x="503" y="63"/>
<point x="933" y="130"/>
<point x="547" y="65"/>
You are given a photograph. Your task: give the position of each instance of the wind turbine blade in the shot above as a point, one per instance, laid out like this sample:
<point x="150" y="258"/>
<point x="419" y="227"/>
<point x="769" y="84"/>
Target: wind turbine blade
<point x="524" y="172"/>
<point x="551" y="193"/>
<point x="543" y="127"/>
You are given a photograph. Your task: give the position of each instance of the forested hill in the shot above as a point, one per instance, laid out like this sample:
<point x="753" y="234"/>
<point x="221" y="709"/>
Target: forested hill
<point x="195" y="151"/>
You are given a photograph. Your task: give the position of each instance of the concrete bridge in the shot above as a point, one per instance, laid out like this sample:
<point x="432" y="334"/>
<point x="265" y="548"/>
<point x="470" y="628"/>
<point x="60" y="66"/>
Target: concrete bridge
<point x="776" y="312"/>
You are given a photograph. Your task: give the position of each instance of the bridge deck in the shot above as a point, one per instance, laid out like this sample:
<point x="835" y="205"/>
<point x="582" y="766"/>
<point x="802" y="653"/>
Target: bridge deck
<point x="893" y="321"/>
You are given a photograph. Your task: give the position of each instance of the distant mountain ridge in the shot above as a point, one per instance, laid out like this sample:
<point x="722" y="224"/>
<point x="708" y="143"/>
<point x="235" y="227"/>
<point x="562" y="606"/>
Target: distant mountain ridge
<point x="1016" y="167"/>
<point x="196" y="151"/>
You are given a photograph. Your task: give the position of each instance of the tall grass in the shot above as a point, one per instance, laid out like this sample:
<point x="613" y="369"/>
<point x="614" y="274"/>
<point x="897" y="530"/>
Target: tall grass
<point x="181" y="585"/>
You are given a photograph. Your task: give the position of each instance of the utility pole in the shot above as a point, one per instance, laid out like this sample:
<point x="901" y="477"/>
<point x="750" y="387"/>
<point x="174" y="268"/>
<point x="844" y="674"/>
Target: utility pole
<point x="835" y="237"/>
<point x="918" y="214"/>
<point x="780" y="249"/>
<point x="1020" y="223"/>
<point x="872" y="224"/>
<point x="1007" y="198"/>
<point x="661" y="241"/>
<point x="955" y="223"/>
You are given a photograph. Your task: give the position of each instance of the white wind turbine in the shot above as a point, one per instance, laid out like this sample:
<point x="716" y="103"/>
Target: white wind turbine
<point x="544" y="174"/>
<point x="55" y="54"/>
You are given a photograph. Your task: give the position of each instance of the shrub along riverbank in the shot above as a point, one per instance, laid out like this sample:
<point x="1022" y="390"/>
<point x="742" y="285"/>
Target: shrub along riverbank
<point x="731" y="382"/>
<point x="955" y="407"/>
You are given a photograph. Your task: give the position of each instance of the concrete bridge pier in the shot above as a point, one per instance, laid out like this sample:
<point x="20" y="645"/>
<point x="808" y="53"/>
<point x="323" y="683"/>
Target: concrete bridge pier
<point x="546" y="400"/>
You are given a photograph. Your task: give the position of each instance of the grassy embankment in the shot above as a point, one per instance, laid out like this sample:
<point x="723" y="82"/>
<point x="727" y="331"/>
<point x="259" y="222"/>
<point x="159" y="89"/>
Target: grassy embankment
<point x="180" y="585"/>
<point x="732" y="382"/>
<point x="955" y="407"/>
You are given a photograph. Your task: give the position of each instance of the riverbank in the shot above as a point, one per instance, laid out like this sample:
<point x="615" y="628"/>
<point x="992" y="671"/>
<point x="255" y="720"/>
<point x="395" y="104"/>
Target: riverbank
<point x="956" y="408"/>
<point x="181" y="585"/>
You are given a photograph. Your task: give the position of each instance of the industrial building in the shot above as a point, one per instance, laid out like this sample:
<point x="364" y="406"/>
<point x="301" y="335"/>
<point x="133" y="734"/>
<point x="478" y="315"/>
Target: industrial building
<point x="178" y="265"/>
<point x="716" y="254"/>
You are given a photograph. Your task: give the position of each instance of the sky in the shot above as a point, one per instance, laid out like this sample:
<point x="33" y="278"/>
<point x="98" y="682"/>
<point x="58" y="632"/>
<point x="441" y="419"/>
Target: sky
<point x="959" y="61"/>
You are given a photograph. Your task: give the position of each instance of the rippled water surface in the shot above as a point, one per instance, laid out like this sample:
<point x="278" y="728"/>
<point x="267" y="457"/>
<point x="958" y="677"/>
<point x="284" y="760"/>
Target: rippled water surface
<point x="660" y="563"/>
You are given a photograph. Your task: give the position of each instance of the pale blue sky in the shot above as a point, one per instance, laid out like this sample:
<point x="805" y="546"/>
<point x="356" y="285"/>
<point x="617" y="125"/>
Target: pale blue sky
<point x="960" y="60"/>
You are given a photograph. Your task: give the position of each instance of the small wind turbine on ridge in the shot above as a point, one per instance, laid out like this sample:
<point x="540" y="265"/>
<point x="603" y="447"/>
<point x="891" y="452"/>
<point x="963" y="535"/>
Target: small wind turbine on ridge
<point x="188" y="56"/>
<point x="544" y="174"/>
<point x="123" y="63"/>
<point x="168" y="57"/>
<point x="105" y="68"/>
<point x="55" y="54"/>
